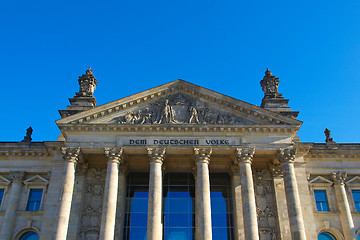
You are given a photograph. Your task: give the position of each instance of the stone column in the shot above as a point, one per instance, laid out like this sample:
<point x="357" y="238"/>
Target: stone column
<point x="286" y="156"/>
<point x="237" y="202"/>
<point x="280" y="198"/>
<point x="244" y="159"/>
<point x="154" y="223"/>
<point x="13" y="203"/>
<point x="71" y="156"/>
<point x="202" y="194"/>
<point x="347" y="222"/>
<point x="108" y="214"/>
<point x="120" y="212"/>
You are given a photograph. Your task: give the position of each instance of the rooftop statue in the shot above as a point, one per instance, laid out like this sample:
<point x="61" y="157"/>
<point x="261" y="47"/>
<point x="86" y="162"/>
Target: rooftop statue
<point x="27" y="137"/>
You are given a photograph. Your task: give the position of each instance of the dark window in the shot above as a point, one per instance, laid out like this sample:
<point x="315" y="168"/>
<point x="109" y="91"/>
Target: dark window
<point x="136" y="206"/>
<point x="356" y="196"/>
<point x="30" y="236"/>
<point x="221" y="206"/>
<point x="1" y="195"/>
<point x="326" y="236"/>
<point x="322" y="204"/>
<point x="34" y="200"/>
<point x="179" y="206"/>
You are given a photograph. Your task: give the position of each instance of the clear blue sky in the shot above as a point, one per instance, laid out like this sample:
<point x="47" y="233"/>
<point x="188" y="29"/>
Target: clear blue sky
<point x="312" y="46"/>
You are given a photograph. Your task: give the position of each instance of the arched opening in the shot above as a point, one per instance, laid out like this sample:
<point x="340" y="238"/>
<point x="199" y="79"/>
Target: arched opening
<point x="29" y="236"/>
<point x="326" y="236"/>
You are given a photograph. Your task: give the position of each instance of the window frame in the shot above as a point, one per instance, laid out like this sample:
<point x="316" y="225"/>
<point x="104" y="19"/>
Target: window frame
<point x="28" y="198"/>
<point x="35" y="182"/>
<point x="352" y="184"/>
<point x="4" y="184"/>
<point x="321" y="183"/>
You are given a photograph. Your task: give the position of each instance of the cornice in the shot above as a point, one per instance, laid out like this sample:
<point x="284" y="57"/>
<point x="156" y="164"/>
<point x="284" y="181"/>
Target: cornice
<point x="277" y="129"/>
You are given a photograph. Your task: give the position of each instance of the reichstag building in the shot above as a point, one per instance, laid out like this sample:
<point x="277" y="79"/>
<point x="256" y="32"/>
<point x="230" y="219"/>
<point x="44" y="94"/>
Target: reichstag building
<point x="179" y="162"/>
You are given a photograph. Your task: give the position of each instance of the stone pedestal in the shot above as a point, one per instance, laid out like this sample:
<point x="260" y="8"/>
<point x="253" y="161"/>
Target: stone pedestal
<point x="347" y="221"/>
<point x="244" y="159"/>
<point x="154" y="223"/>
<point x="107" y="228"/>
<point x="13" y="203"/>
<point x="286" y="156"/>
<point x="71" y="156"/>
<point x="202" y="194"/>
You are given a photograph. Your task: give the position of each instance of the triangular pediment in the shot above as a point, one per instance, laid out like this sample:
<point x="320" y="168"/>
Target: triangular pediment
<point x="319" y="180"/>
<point x="177" y="103"/>
<point x="354" y="181"/>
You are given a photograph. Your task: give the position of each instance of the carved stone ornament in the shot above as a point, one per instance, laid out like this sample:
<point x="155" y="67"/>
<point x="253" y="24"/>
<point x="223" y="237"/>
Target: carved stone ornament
<point x="202" y="155"/>
<point x="339" y="177"/>
<point x="270" y="85"/>
<point x="156" y="155"/>
<point x="245" y="155"/>
<point x="87" y="84"/>
<point x="328" y="138"/>
<point x="81" y="169"/>
<point x="27" y="137"/>
<point x="71" y="154"/>
<point x="286" y="155"/>
<point x="179" y="109"/>
<point x="113" y="154"/>
<point x="17" y="176"/>
<point x="276" y="170"/>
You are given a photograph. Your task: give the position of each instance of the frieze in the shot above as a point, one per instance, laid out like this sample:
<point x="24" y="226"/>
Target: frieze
<point x="179" y="109"/>
<point x="178" y="141"/>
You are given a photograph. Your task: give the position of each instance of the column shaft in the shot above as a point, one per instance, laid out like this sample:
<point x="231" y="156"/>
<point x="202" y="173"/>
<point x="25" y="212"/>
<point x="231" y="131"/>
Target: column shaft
<point x="244" y="157"/>
<point x="71" y="156"/>
<point x="347" y="221"/>
<point x="13" y="203"/>
<point x="287" y="158"/>
<point x="154" y="223"/>
<point x="107" y="228"/>
<point x="204" y="228"/>
<point x="120" y="213"/>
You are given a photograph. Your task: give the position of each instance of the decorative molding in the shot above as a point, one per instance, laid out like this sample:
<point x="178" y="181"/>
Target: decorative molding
<point x="71" y="154"/>
<point x="17" y="176"/>
<point x="320" y="181"/>
<point x="276" y="170"/>
<point x="353" y="181"/>
<point x="156" y="155"/>
<point x="286" y="155"/>
<point x="245" y="155"/>
<point x="339" y="177"/>
<point x="36" y="181"/>
<point x="113" y="154"/>
<point x="202" y="155"/>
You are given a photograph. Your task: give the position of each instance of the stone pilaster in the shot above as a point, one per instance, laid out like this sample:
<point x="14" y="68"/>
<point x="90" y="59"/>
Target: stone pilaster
<point x="13" y="203"/>
<point x="154" y="224"/>
<point x="107" y="228"/>
<point x="286" y="156"/>
<point x="71" y="156"/>
<point x="202" y="194"/>
<point x="244" y="157"/>
<point x="347" y="221"/>
<point x="280" y="197"/>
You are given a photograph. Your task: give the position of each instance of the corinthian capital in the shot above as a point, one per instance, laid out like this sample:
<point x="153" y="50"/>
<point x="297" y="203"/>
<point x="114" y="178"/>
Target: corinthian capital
<point x="113" y="154"/>
<point x="245" y="155"/>
<point x="276" y="170"/>
<point x="156" y="155"/>
<point x="286" y="155"/>
<point x="339" y="177"/>
<point x="71" y="154"/>
<point x="17" y="176"/>
<point x="202" y="155"/>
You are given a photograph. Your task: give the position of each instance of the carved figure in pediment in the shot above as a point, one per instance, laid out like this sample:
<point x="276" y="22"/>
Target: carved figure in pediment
<point x="166" y="115"/>
<point x="194" y="118"/>
<point x="146" y="117"/>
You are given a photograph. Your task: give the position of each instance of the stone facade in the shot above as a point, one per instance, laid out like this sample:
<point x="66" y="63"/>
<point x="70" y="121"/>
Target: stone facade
<point x="179" y="128"/>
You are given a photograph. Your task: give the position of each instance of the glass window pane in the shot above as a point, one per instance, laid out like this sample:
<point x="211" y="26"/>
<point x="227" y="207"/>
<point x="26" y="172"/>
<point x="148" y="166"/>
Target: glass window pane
<point x="322" y="204"/>
<point x="356" y="196"/>
<point x="34" y="200"/>
<point x="30" y="236"/>
<point x="326" y="236"/>
<point x="1" y="195"/>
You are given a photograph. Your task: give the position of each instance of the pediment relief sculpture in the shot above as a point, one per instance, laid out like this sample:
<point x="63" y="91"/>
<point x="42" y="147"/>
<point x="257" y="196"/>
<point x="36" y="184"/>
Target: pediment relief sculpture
<point x="179" y="109"/>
